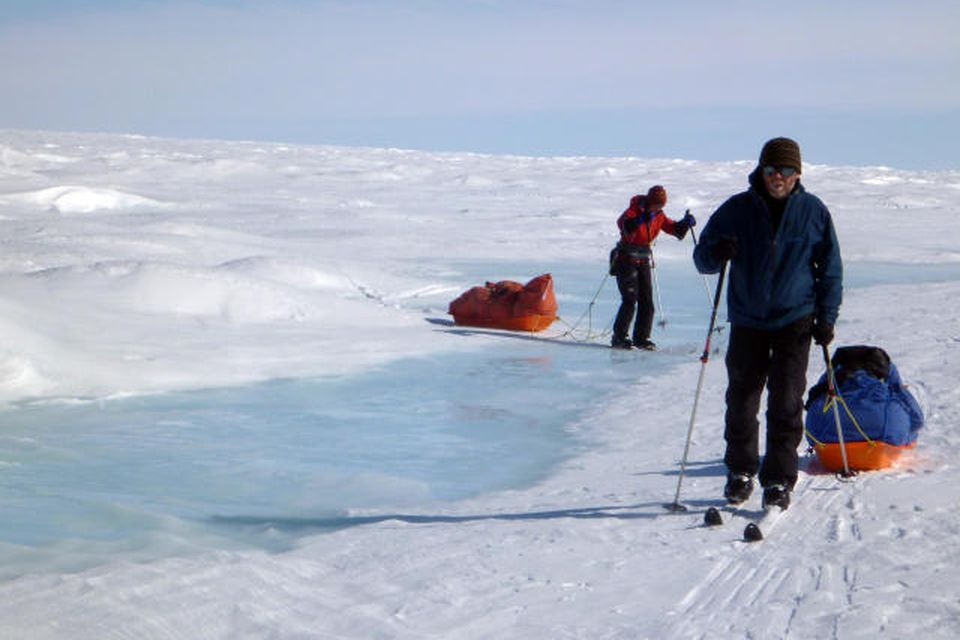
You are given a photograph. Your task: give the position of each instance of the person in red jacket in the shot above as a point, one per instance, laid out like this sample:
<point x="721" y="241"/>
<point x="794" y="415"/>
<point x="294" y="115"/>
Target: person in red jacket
<point x="639" y="226"/>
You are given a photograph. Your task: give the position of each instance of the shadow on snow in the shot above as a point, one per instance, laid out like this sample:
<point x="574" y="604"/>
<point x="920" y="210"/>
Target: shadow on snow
<point x="641" y="511"/>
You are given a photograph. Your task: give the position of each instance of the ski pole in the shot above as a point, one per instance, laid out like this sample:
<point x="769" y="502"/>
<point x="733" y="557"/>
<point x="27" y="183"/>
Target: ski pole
<point x="834" y="399"/>
<point x="693" y="235"/>
<point x="656" y="287"/>
<point x="675" y="505"/>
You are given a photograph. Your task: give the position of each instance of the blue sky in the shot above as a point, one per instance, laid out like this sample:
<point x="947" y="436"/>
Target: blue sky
<point x="856" y="82"/>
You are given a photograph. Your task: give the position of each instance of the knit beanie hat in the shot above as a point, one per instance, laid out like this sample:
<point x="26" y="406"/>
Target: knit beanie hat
<point x="781" y="152"/>
<point x="657" y="196"/>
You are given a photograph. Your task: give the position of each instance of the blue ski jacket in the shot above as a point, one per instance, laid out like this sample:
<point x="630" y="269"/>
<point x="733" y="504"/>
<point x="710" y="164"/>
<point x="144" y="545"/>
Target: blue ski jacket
<point x="776" y="279"/>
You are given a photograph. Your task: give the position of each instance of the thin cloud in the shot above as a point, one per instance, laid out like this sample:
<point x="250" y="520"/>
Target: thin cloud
<point x="222" y="65"/>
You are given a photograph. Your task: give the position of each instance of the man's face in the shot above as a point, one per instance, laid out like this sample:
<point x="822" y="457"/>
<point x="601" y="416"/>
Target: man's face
<point x="779" y="186"/>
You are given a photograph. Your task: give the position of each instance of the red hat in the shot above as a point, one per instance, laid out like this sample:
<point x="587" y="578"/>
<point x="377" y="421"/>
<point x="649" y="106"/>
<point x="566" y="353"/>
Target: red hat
<point x="657" y="196"/>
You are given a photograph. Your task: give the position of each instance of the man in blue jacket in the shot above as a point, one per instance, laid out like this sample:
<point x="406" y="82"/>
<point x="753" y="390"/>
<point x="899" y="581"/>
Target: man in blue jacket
<point x="784" y="288"/>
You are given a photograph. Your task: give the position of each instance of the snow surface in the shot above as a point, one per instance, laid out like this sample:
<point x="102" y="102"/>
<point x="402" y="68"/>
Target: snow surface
<point x="134" y="266"/>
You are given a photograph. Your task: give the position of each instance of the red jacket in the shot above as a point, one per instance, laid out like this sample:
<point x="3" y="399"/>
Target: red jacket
<point x="639" y="228"/>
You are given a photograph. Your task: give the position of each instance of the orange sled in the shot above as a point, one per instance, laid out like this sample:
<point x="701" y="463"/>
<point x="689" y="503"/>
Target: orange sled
<point x="861" y="456"/>
<point x="508" y="305"/>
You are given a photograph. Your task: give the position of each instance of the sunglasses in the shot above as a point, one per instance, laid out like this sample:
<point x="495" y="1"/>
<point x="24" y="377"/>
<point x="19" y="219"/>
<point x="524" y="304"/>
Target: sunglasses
<point x="786" y="172"/>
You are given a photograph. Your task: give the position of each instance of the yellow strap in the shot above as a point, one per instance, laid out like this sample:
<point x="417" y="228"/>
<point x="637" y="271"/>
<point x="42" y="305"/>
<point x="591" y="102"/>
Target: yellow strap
<point x="866" y="438"/>
<point x="839" y="398"/>
<point x="815" y="441"/>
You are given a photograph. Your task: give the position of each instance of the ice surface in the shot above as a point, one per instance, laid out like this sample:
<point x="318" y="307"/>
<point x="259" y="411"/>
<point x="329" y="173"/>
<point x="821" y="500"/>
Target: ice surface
<point x="254" y="465"/>
<point x="264" y="464"/>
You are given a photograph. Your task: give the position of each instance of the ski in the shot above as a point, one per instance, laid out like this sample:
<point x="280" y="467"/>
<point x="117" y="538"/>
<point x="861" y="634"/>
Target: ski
<point x="756" y="525"/>
<point x="649" y="348"/>
<point x="754" y="531"/>
<point x="714" y="516"/>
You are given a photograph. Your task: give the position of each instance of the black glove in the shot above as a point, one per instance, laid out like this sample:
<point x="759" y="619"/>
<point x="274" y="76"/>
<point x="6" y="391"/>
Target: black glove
<point x="683" y="225"/>
<point x="725" y="248"/>
<point x="822" y="333"/>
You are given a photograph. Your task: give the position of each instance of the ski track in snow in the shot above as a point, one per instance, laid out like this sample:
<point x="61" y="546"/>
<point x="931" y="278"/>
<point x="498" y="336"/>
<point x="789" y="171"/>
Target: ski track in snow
<point x="750" y="593"/>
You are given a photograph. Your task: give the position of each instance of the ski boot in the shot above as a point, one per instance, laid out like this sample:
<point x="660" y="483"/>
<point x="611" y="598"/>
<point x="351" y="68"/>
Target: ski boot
<point x="776" y="495"/>
<point x="739" y="487"/>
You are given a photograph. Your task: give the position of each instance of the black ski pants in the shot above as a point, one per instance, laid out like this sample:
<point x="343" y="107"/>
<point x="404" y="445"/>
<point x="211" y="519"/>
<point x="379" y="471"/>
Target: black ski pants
<point x="778" y="360"/>
<point x="636" y="295"/>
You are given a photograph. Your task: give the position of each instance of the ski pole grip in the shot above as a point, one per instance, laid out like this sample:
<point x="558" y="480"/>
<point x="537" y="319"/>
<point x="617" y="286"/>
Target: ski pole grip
<point x="831" y="381"/>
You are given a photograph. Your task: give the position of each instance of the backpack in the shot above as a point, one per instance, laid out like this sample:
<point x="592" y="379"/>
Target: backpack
<point x="614" y="258"/>
<point x="847" y="361"/>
